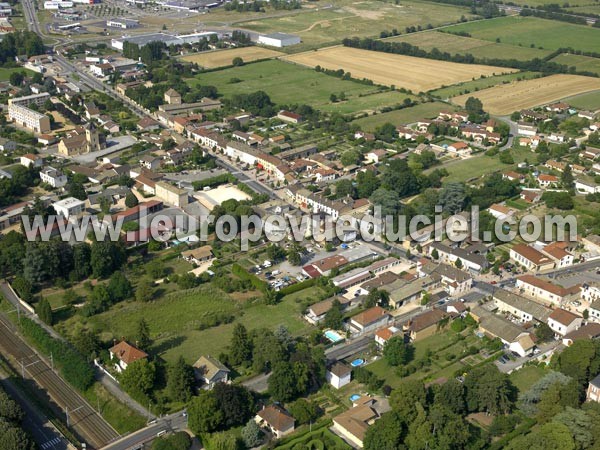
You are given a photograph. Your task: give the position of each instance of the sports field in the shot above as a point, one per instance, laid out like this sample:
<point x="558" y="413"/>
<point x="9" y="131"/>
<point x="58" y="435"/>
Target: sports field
<point x="325" y="26"/>
<point x="403" y="116"/>
<point x="581" y="63"/>
<point x="528" y="31"/>
<point x="416" y="74"/>
<point x="221" y="58"/>
<point x="453" y="44"/>
<point x="508" y="98"/>
<point x="288" y="83"/>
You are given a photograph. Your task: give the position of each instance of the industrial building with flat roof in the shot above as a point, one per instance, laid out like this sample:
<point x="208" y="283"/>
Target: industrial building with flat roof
<point x="167" y="39"/>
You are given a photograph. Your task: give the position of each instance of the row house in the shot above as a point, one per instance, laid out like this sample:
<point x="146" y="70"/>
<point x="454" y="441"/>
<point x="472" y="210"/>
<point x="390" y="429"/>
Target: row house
<point x="520" y="307"/>
<point x="530" y="258"/>
<point x="546" y="291"/>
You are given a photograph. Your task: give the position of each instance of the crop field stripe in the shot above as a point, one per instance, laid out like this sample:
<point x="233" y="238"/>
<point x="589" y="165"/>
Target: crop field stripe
<point x="416" y="74"/>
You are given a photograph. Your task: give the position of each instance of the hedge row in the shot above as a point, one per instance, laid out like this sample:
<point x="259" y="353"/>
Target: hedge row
<point x="73" y="366"/>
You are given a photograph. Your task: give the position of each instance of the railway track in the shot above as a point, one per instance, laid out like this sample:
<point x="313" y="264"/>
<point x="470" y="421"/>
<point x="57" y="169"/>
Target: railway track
<point x="86" y="422"/>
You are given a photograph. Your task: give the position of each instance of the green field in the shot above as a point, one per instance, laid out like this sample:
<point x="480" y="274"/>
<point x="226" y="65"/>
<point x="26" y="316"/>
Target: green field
<point x="403" y="116"/>
<point x="346" y="18"/>
<point x="287" y="83"/>
<point x="589" y="100"/>
<point x="445" y="351"/>
<point x="581" y="63"/>
<point x="174" y="320"/>
<point x="481" y="83"/>
<point x="5" y="73"/>
<point x="526" y="377"/>
<point x="479" y="165"/>
<point x="528" y="31"/>
<point x="446" y="42"/>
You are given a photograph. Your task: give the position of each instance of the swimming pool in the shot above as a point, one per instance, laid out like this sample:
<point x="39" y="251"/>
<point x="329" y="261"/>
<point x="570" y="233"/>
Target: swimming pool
<point x="354" y="397"/>
<point x="357" y="362"/>
<point x="333" y="336"/>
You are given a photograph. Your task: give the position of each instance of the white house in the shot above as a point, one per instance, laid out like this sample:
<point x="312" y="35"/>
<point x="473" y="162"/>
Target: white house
<point x="124" y="354"/>
<point x="563" y="322"/>
<point x="385" y="334"/>
<point x="69" y="207"/>
<point x="53" y="177"/>
<point x="31" y="160"/>
<point x="339" y="375"/>
<point x="276" y="419"/>
<point x="210" y="371"/>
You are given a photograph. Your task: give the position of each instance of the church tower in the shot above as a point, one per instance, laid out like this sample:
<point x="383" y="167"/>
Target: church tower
<point x="92" y="137"/>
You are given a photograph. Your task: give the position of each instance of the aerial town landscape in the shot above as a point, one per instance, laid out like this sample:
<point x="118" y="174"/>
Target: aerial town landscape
<point x="299" y="224"/>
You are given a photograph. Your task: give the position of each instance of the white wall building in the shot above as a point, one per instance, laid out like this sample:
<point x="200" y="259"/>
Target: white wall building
<point x="69" y="207"/>
<point x="278" y="39"/>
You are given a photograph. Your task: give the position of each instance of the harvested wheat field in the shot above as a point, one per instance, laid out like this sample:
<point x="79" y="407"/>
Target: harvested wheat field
<point x="507" y="98"/>
<point x="221" y="58"/>
<point x="416" y="74"/>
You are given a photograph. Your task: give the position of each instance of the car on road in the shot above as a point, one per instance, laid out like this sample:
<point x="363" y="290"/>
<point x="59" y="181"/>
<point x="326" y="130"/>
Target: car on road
<point x="503" y="359"/>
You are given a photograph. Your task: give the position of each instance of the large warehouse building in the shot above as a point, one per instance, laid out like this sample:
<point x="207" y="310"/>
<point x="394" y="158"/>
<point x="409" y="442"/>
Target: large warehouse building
<point x="279" y="39"/>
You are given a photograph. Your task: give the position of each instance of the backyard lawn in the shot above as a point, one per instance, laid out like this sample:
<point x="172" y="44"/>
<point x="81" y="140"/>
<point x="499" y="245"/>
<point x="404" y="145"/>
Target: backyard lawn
<point x="525" y="377"/>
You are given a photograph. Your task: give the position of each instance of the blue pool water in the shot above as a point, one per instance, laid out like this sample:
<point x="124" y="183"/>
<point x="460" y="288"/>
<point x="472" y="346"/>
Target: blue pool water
<point x="333" y="336"/>
<point x="354" y="397"/>
<point x="357" y="362"/>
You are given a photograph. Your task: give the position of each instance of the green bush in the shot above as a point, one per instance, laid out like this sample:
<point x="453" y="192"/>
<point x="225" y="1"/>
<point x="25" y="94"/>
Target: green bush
<point x="73" y="366"/>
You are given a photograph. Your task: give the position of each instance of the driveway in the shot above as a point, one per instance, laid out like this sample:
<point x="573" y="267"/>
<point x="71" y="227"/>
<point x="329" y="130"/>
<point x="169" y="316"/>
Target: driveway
<point x="546" y="351"/>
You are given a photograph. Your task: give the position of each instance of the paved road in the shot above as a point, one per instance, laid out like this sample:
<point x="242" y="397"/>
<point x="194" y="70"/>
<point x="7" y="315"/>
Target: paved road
<point x="37" y="424"/>
<point x="240" y="175"/>
<point x="85" y="421"/>
<point x="259" y="383"/>
<point x="514" y="131"/>
<point x="173" y="422"/>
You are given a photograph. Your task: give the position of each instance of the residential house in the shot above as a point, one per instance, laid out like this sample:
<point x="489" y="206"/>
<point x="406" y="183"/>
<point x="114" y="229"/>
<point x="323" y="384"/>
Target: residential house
<point x="172" y="97"/>
<point x="583" y="333"/>
<point x="563" y="322"/>
<point x="558" y="254"/>
<point x="593" y="391"/>
<point x="452" y="280"/>
<point x="147" y="124"/>
<point x="531" y="195"/>
<point x="7" y="145"/>
<point x="210" y="371"/>
<point x="526" y="129"/>
<point x="460" y="148"/>
<point x="383" y="335"/>
<point x="403" y="292"/>
<point x="69" y="207"/>
<point x="324" y="175"/>
<point x="198" y="255"/>
<point x="352" y="425"/>
<point x="545" y="291"/>
<point x="530" y="258"/>
<point x="339" y="375"/>
<point x="546" y="181"/>
<point x="513" y="176"/>
<point x="149" y="162"/>
<point x="514" y="336"/>
<point x="53" y="177"/>
<point x="30" y="159"/>
<point x="316" y="312"/>
<point x="276" y="419"/>
<point x="520" y="307"/>
<point x="290" y="117"/>
<point x="369" y="320"/>
<point x="323" y="267"/>
<point x="123" y="354"/>
<point x="426" y="324"/>
<point x="501" y="212"/>
<point x="471" y="257"/>
<point x="376" y="156"/>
